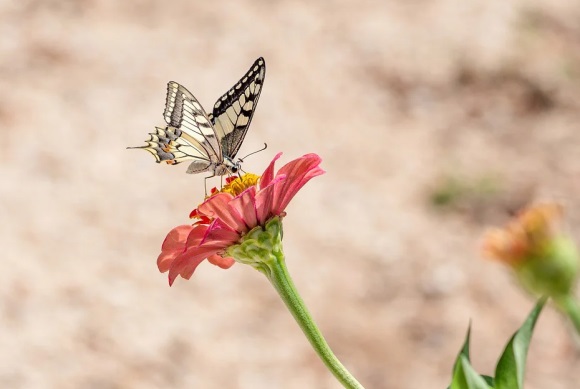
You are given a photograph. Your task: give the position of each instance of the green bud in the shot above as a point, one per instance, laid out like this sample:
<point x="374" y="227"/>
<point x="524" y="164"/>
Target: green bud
<point x="260" y="247"/>
<point x="552" y="269"/>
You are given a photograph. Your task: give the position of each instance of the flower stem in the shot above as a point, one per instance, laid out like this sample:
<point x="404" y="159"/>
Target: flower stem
<point x="261" y="248"/>
<point x="569" y="305"/>
<point x="281" y="280"/>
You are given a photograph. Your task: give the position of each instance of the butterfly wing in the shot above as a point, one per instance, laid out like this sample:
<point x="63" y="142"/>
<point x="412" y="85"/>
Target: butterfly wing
<point x="233" y="112"/>
<point x="189" y="134"/>
<point x="183" y="111"/>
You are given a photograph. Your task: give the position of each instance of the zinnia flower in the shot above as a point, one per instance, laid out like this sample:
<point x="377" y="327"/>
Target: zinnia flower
<point x="227" y="217"/>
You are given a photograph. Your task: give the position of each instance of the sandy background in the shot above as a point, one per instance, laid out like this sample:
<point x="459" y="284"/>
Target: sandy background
<point x="474" y="106"/>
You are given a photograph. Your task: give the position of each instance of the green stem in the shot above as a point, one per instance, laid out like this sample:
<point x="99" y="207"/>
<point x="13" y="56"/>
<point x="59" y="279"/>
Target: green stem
<point x="281" y="280"/>
<point x="261" y="248"/>
<point x="569" y="305"/>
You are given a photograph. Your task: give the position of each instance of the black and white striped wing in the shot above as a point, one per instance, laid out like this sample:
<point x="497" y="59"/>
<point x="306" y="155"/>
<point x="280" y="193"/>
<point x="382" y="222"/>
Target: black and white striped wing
<point x="189" y="135"/>
<point x="233" y="112"/>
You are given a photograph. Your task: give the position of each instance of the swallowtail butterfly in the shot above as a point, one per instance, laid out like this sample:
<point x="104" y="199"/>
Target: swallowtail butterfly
<point x="211" y="141"/>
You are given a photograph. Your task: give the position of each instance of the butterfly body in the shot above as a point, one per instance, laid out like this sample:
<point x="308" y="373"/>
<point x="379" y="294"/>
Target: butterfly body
<point x="212" y="141"/>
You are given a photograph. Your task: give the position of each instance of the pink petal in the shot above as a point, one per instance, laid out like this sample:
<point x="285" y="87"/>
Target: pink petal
<point x="175" y="239"/>
<point x="166" y="261"/>
<point x="217" y="207"/>
<point x="219" y="235"/>
<point x="265" y="199"/>
<point x="269" y="172"/>
<point x="298" y="173"/>
<point x="173" y="245"/>
<point x="245" y="205"/>
<point x="196" y="235"/>
<point x="185" y="264"/>
<point x="218" y="260"/>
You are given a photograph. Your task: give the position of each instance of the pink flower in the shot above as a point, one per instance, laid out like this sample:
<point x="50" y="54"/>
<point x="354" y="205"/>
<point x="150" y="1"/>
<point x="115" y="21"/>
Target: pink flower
<point x="227" y="216"/>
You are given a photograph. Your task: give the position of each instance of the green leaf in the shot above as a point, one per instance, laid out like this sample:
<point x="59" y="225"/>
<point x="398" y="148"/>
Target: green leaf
<point x="465" y="348"/>
<point x="488" y="379"/>
<point x="464" y="376"/>
<point x="510" y="369"/>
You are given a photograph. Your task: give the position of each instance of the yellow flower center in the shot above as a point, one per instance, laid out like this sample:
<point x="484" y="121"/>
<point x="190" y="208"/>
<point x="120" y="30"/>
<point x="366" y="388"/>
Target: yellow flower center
<point x="234" y="186"/>
<point x="239" y="184"/>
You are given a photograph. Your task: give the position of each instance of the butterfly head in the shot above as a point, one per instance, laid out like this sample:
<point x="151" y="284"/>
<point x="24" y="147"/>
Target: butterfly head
<point x="234" y="169"/>
<point x="228" y="167"/>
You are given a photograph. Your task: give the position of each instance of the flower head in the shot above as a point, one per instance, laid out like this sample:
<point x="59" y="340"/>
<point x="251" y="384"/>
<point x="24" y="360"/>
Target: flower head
<point x="535" y="246"/>
<point x="228" y="215"/>
<point x="524" y="236"/>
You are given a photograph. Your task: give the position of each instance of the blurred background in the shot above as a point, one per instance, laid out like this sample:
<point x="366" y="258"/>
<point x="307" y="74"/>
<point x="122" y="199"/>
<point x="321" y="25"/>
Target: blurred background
<point x="435" y="120"/>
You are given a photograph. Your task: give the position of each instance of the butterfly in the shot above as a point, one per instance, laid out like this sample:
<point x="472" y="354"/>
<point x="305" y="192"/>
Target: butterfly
<point x="210" y="141"/>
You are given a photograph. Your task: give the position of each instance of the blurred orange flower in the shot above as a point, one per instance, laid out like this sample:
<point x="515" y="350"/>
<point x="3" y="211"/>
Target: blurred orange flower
<point x="534" y="244"/>
<point x="525" y="235"/>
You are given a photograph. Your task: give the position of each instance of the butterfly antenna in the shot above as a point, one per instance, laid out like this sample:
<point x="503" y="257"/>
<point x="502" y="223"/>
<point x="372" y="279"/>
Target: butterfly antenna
<point x="257" y="151"/>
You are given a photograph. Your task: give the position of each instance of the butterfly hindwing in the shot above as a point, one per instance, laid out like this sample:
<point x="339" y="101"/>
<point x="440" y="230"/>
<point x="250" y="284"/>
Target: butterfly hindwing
<point x="232" y="113"/>
<point x="170" y="145"/>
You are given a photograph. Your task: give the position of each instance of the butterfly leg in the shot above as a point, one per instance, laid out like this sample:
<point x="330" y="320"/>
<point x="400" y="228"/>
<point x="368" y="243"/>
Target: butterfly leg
<point x="205" y="183"/>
